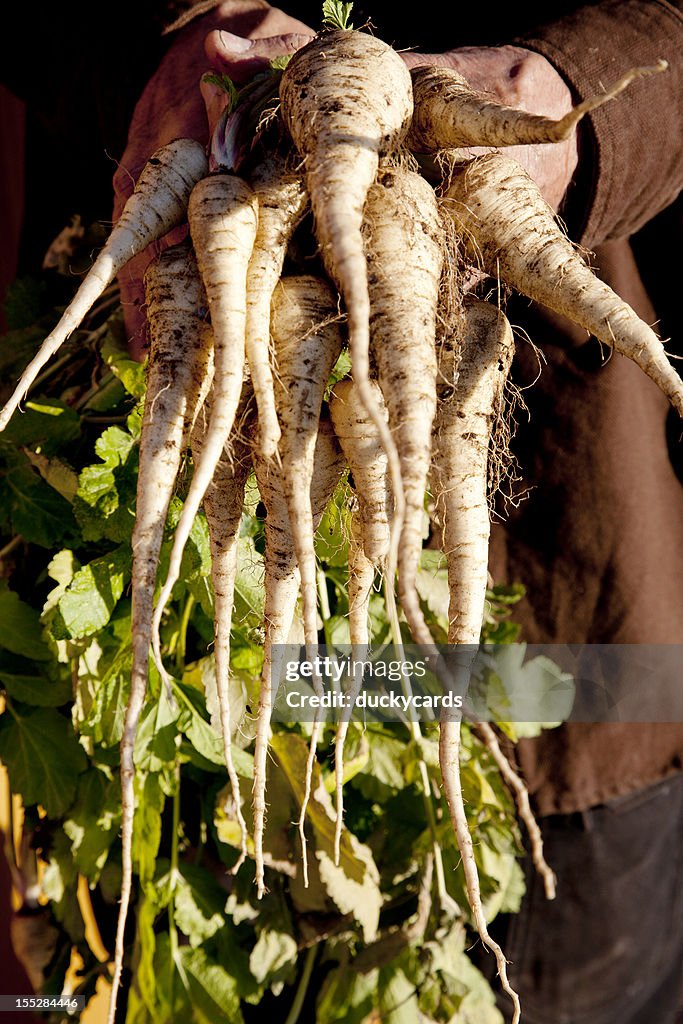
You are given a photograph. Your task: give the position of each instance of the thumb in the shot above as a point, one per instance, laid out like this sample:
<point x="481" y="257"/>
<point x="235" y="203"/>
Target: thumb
<point x="243" y="58"/>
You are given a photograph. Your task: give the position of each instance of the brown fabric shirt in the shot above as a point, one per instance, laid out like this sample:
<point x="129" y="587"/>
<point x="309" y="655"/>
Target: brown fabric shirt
<point x="599" y="542"/>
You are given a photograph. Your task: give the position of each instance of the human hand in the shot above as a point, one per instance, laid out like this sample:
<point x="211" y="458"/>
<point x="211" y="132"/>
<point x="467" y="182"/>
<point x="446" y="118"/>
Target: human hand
<point x="238" y="38"/>
<point x="525" y="80"/>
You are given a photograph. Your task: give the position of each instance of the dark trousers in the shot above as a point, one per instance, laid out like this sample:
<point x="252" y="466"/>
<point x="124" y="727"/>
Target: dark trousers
<point x="609" y="948"/>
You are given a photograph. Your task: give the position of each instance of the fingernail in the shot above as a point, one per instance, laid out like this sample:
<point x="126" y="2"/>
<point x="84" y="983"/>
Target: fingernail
<point x="236" y="44"/>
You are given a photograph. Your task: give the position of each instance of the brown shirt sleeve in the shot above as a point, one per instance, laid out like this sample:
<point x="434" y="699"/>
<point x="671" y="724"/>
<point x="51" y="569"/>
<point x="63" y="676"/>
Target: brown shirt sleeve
<point x="632" y="154"/>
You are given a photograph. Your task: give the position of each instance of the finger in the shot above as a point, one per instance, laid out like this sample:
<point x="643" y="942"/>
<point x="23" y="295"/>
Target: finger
<point x="243" y="58"/>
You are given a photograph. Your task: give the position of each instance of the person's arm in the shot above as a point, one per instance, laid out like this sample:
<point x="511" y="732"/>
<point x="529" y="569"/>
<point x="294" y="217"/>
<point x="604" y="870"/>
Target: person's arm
<point x="631" y="165"/>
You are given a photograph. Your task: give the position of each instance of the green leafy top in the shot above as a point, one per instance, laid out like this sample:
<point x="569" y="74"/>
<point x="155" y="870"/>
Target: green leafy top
<point x="280" y="63"/>
<point x="225" y="83"/>
<point x="68" y="475"/>
<point x="336" y="14"/>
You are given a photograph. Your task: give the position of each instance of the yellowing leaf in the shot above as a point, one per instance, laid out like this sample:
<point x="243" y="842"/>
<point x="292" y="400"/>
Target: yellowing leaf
<point x="354" y="885"/>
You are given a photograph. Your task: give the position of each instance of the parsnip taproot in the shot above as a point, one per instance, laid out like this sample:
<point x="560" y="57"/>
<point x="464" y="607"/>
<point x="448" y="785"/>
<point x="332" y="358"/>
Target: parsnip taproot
<point x="223" y="217"/>
<point x="506" y="225"/>
<point x="361" y="444"/>
<point x="282" y="587"/>
<point x="223" y="503"/>
<point x="368" y="547"/>
<point x="282" y="201"/>
<point x="520" y="792"/>
<point x="158" y="204"/>
<point x="449" y="114"/>
<point x="462" y="446"/>
<point x="404" y="248"/>
<point x="307" y="338"/>
<point x="179" y="363"/>
<point x="347" y="100"/>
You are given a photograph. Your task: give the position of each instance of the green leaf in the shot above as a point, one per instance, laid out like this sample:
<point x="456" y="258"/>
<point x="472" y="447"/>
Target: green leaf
<point x="93" y="822"/>
<point x="459" y="991"/>
<point x="33" y="508"/>
<point x="23" y="303"/>
<point x="145" y="965"/>
<point x="155" y="742"/>
<point x="225" y="83"/>
<point x="336" y="14"/>
<point x="104" y="502"/>
<point x="500" y="600"/>
<point x="274" y="956"/>
<point x="280" y="63"/>
<point x="105" y="717"/>
<point x="432" y="585"/>
<point x="60" y="886"/>
<point x="347" y="996"/>
<point x="61" y="568"/>
<point x="149" y="804"/>
<point x="397" y="997"/>
<point x="201" y="677"/>
<point x="89" y="600"/>
<point x="202" y="591"/>
<point x="353" y="885"/>
<point x="538" y="694"/>
<point x="46" y="425"/>
<point x="55" y="472"/>
<point x="331" y="539"/>
<point x="212" y="991"/>
<point x="42" y="756"/>
<point x="203" y="737"/>
<point x="199" y="903"/>
<point x="197" y="555"/>
<point x="114" y="351"/>
<point x="108" y="395"/>
<point x="249" y="592"/>
<point x="18" y="348"/>
<point x="20" y="628"/>
<point x="382" y="776"/>
<point x="24" y="682"/>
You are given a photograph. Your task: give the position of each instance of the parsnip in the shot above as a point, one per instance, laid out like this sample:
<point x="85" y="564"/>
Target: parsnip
<point x="158" y="204"/>
<point x="404" y="248"/>
<point x="178" y="367"/>
<point x="449" y="114"/>
<point x="282" y="585"/>
<point x="281" y="202"/>
<point x="506" y="225"/>
<point x="462" y="443"/>
<point x="223" y="218"/>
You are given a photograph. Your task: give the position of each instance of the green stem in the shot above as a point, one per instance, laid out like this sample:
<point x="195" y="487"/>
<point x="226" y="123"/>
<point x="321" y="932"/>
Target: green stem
<point x="302" y="987"/>
<point x="91" y="392"/>
<point x="326" y="615"/>
<point x="104" y="419"/>
<point x="175" y="828"/>
<point x="181" y="647"/>
<point x="51" y="371"/>
<point x="416" y="732"/>
<point x="324" y="599"/>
